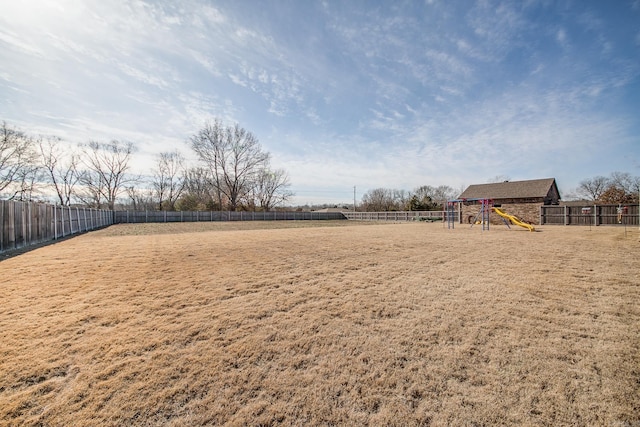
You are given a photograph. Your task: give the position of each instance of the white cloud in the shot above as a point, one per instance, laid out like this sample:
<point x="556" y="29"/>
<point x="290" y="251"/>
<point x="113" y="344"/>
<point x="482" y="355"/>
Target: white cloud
<point x="561" y="37"/>
<point x="497" y="29"/>
<point x="213" y="15"/>
<point x="143" y="76"/>
<point x="206" y="61"/>
<point x="238" y="80"/>
<point x="13" y="41"/>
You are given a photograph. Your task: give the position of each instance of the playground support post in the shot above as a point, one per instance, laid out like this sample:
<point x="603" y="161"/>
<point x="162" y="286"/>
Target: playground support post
<point x="450" y="213"/>
<point x="485" y="211"/>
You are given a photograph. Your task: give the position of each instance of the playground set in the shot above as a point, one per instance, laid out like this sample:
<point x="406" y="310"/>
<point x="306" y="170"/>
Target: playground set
<point x="486" y="207"/>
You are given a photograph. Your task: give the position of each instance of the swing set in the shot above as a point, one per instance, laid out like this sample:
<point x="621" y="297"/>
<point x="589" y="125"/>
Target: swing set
<point x="483" y="216"/>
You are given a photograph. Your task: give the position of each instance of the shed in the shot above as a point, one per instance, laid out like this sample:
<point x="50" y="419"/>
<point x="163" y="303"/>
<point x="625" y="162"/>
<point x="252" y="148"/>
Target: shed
<point x="543" y="191"/>
<point x="520" y="198"/>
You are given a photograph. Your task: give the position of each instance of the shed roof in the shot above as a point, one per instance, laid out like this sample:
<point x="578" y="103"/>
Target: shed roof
<point x="534" y="188"/>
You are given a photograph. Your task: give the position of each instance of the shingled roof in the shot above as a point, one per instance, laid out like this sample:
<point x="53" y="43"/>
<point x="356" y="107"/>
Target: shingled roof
<point x="531" y="189"/>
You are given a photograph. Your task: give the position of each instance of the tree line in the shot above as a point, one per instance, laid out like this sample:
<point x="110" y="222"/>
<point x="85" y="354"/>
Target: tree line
<point x="233" y="172"/>
<point x="423" y="198"/>
<point x="617" y="188"/>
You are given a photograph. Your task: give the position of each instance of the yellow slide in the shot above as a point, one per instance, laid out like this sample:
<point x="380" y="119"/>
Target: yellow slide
<point x="514" y="219"/>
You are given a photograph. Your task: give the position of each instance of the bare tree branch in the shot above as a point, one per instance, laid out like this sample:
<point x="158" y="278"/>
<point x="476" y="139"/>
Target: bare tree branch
<point x="168" y="179"/>
<point x="18" y="166"/>
<point x="592" y="188"/>
<point x="271" y="188"/>
<point x="61" y="168"/>
<point x="106" y="174"/>
<point x="234" y="157"/>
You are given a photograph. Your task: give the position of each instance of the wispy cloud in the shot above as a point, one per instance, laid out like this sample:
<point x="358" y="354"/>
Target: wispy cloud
<point x="142" y="76"/>
<point x="13" y="41"/>
<point x="562" y="38"/>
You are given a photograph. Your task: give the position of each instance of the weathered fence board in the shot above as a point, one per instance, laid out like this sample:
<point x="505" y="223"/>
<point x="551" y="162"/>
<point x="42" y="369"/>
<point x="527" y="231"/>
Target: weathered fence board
<point x="27" y="223"/>
<point x="589" y="215"/>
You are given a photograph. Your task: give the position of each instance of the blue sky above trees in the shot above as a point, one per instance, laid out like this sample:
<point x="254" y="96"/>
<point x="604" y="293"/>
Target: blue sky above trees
<point x="342" y="94"/>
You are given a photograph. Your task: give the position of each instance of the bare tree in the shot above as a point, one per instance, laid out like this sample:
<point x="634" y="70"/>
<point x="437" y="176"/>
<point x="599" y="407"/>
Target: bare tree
<point x="209" y="145"/>
<point x="271" y="188"/>
<point x="168" y="179"/>
<point x="141" y="199"/>
<point x="197" y="193"/>
<point x="234" y="157"/>
<point x="592" y="188"/>
<point x="380" y="200"/>
<point x="18" y="165"/>
<point x="401" y="199"/>
<point x="28" y="183"/>
<point x="626" y="182"/>
<point x="443" y="193"/>
<point x="106" y="174"/>
<point x="61" y="168"/>
<point x="89" y="190"/>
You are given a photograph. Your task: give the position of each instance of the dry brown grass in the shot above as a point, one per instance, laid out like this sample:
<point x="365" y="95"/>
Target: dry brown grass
<point x="398" y="324"/>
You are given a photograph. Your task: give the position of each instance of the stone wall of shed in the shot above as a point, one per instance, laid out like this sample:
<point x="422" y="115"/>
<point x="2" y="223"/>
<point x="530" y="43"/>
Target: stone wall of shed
<point x="529" y="212"/>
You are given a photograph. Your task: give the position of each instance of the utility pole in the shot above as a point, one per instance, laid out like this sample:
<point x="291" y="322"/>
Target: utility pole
<point x="354" y="198"/>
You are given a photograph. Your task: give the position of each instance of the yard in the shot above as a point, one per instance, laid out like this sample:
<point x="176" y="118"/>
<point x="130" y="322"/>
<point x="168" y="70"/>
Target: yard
<point x="323" y="323"/>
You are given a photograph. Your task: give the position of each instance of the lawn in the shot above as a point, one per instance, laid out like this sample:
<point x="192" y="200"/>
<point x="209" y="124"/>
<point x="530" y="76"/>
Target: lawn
<point x="323" y="323"/>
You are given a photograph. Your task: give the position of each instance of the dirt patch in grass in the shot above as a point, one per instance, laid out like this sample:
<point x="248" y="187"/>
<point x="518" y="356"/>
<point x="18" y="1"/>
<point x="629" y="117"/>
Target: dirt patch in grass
<point x="395" y="324"/>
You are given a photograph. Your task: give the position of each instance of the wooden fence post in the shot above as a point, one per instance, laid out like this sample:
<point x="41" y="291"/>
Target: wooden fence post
<point x="23" y="228"/>
<point x="11" y="237"/>
<point x="2" y="221"/>
<point x="29" y="226"/>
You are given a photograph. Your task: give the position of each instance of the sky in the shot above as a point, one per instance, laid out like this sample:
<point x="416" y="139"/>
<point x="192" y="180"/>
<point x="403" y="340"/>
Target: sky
<point x="344" y="94"/>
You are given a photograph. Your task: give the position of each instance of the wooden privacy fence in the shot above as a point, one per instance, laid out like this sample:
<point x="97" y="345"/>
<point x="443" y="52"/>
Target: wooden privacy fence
<point x="195" y="216"/>
<point x="396" y="216"/>
<point x="28" y="223"/>
<point x="589" y="215"/>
